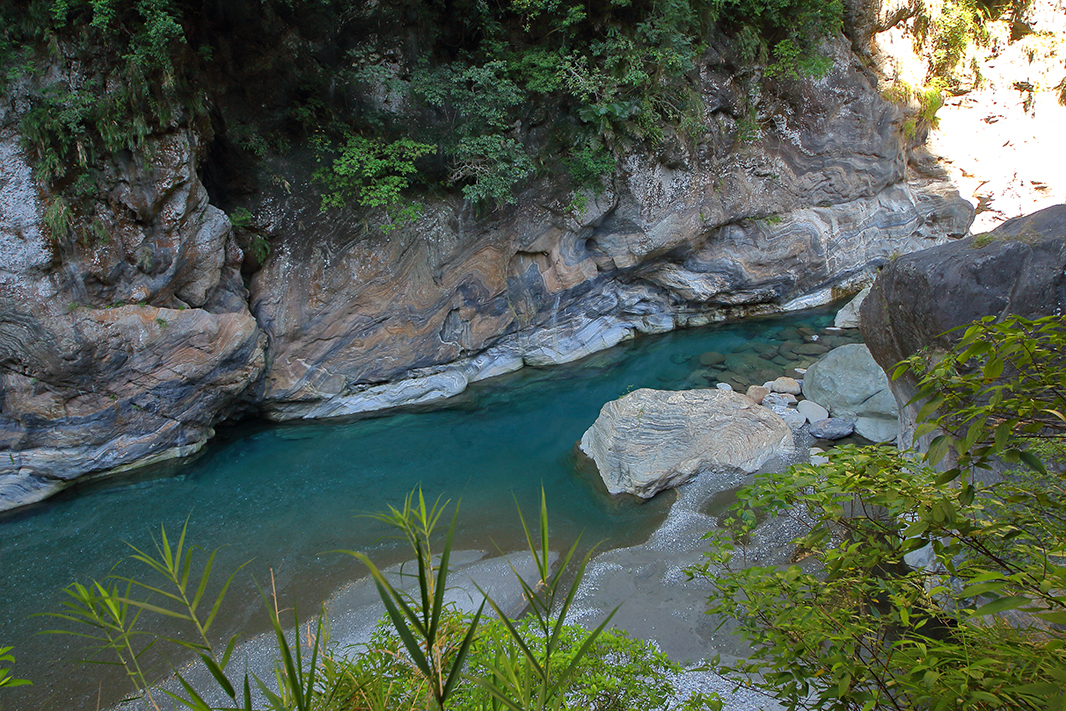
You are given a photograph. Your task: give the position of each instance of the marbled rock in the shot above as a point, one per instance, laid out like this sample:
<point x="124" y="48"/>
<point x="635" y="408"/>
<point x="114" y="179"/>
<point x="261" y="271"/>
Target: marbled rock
<point x="848" y="316"/>
<point x="359" y="318"/>
<point x="88" y="387"/>
<point x="650" y="440"/>
<point x="670" y="243"/>
<point x="832" y="428"/>
<point x="850" y="384"/>
<point x="117" y="387"/>
<point x="1018" y="268"/>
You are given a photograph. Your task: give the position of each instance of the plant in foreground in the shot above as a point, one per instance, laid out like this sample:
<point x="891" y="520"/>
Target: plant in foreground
<point x="923" y="588"/>
<point x="425" y="654"/>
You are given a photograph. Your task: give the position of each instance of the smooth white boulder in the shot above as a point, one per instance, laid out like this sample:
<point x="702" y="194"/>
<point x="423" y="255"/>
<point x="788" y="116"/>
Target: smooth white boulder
<point x="650" y="440"/>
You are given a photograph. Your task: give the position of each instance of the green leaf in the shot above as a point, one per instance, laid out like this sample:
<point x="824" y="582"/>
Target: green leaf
<point x="1010" y="602"/>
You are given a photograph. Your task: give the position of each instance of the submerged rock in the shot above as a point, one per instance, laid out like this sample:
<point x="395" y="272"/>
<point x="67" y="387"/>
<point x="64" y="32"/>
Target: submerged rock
<point x="650" y="440"/>
<point x="850" y="384"/>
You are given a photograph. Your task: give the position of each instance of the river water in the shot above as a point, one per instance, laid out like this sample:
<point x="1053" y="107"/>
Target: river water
<point x="284" y="496"/>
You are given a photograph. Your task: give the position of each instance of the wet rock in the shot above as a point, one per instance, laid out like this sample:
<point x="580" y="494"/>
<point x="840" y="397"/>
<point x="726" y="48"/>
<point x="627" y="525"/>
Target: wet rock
<point x="849" y="383"/>
<point x="650" y="440"/>
<point x="711" y="358"/>
<point x="811" y="349"/>
<point x="724" y="386"/>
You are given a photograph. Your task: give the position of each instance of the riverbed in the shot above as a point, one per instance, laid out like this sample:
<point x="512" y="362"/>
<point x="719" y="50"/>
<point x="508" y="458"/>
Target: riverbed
<point x="284" y="496"/>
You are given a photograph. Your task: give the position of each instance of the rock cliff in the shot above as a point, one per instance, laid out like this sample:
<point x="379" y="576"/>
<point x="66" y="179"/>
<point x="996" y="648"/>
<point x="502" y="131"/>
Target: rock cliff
<point x="128" y="348"/>
<point x="1017" y="269"/>
<point x="359" y="320"/>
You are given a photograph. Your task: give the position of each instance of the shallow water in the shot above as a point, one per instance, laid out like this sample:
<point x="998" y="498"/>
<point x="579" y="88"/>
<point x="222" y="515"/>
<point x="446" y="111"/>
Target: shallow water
<point x="283" y="496"/>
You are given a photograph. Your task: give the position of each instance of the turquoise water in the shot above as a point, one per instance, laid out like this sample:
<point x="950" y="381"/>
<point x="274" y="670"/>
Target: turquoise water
<point x="283" y="496"/>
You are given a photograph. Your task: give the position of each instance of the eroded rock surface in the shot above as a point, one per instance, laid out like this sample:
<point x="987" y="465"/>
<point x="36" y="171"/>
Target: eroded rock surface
<point x="358" y="318"/>
<point x="650" y="440"/>
<point x="685" y="235"/>
<point x="86" y="386"/>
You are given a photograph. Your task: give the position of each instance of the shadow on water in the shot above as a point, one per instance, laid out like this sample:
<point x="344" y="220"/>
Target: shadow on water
<point x="284" y="496"/>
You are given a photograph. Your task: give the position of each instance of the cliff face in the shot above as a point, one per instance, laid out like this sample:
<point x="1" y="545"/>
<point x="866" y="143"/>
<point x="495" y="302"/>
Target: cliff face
<point x="359" y="320"/>
<point x="343" y="318"/>
<point x="87" y="390"/>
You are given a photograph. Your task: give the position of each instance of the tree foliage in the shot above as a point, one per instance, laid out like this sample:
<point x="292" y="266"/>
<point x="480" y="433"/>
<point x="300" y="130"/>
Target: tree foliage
<point x="479" y="81"/>
<point x="922" y="587"/>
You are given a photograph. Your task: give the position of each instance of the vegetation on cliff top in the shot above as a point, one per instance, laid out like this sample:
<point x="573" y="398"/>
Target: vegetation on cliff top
<point x="480" y="95"/>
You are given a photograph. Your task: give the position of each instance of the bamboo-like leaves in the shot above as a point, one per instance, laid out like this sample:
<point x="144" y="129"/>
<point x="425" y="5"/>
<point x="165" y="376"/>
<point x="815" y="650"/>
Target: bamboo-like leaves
<point x="6" y="680"/>
<point x="550" y="605"/>
<point x="419" y="623"/>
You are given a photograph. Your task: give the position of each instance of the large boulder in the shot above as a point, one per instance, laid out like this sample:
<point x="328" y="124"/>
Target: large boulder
<point x="850" y="384"/>
<point x="650" y="440"/>
<point x="1017" y="269"/>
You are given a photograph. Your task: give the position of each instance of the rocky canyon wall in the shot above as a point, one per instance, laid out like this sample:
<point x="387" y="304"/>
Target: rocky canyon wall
<point x="130" y="348"/>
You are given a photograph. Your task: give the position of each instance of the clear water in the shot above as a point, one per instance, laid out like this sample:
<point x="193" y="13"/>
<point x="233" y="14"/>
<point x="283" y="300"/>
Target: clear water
<point x="284" y="496"/>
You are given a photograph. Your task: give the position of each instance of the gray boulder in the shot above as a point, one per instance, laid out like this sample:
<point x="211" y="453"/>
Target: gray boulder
<point x="1018" y="268"/>
<point x="831" y="428"/>
<point x="850" y="384"/>
<point x="650" y="440"/>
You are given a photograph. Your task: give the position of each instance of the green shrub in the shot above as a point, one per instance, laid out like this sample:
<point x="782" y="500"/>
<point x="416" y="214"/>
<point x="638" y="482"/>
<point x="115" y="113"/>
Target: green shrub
<point x="373" y="173"/>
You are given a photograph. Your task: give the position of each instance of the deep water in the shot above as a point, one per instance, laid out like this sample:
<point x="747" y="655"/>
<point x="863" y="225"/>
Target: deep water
<point x="284" y="496"/>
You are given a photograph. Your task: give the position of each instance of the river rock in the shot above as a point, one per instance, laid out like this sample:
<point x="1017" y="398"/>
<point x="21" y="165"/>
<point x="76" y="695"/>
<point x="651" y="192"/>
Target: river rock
<point x="792" y="417"/>
<point x="784" y="384"/>
<point x="650" y="440"/>
<point x="757" y="393"/>
<point x="779" y="400"/>
<point x="849" y="383"/>
<point x="812" y="410"/>
<point x="831" y="428"/>
<point x="916" y="301"/>
<point x="711" y="358"/>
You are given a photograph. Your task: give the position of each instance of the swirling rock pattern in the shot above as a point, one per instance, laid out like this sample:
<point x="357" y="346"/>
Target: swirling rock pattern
<point x="650" y="440"/>
<point x="86" y="389"/>
<point x="687" y="235"/>
<point x="686" y="232"/>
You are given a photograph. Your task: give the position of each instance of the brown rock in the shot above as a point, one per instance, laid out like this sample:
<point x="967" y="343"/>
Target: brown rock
<point x="757" y="393"/>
